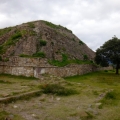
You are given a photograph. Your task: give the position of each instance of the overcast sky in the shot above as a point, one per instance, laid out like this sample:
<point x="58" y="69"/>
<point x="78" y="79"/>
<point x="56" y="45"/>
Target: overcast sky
<point x="93" y="21"/>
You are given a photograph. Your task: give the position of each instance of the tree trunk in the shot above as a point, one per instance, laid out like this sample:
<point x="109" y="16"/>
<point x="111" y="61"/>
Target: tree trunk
<point x="117" y="68"/>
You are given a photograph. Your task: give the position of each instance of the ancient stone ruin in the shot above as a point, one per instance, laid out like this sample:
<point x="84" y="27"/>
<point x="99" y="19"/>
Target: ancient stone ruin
<point x="41" y="47"/>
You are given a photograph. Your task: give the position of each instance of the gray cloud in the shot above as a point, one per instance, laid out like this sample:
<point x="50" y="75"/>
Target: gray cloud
<point x="93" y="21"/>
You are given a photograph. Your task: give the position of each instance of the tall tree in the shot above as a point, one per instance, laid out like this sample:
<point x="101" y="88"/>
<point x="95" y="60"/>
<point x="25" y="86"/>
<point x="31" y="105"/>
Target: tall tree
<point x="109" y="52"/>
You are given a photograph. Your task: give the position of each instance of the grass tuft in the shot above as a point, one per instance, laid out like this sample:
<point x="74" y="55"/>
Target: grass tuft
<point x="19" y="76"/>
<point x="57" y="89"/>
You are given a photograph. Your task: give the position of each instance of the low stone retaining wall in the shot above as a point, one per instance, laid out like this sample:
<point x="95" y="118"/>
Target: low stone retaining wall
<point x="35" y="67"/>
<point x="57" y="71"/>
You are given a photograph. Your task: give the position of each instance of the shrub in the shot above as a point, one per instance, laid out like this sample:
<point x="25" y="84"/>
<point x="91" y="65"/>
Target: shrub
<point x="43" y="42"/>
<point x="110" y="95"/>
<point x="24" y="55"/>
<point x="85" y="57"/>
<point x="81" y="42"/>
<point x="62" y="63"/>
<point x="57" y="89"/>
<point x="73" y="39"/>
<point x="1" y="49"/>
<point x="0" y="58"/>
<point x="39" y="54"/>
<point x="16" y="36"/>
<point x="110" y="98"/>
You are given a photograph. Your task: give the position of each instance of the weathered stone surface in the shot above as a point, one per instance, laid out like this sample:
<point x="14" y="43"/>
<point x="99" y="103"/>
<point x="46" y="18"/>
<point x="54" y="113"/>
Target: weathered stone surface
<point x="37" y="67"/>
<point x="59" y="41"/>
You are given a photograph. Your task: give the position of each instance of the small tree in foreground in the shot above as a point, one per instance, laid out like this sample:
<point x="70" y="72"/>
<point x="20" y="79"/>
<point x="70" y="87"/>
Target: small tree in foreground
<point x="109" y="52"/>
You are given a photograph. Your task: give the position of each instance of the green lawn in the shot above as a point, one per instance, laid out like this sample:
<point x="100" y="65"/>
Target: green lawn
<point x="99" y="82"/>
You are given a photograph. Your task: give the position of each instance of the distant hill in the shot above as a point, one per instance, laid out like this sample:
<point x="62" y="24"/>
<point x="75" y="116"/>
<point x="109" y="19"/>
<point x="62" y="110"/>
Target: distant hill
<point x="42" y="39"/>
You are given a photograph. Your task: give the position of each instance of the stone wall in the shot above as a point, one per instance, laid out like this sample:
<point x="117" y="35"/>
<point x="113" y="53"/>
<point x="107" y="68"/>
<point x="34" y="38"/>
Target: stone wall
<point x="64" y="71"/>
<point x="22" y="61"/>
<point x="36" y="67"/>
<point x="16" y="70"/>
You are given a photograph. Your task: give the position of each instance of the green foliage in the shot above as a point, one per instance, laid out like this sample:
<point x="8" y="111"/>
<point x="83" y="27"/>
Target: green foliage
<point x="23" y="32"/>
<point x="4" y="82"/>
<point x="110" y="95"/>
<point x="100" y="60"/>
<point x="31" y="25"/>
<point x="6" y="59"/>
<point x="62" y="63"/>
<point x="65" y="61"/>
<point x="73" y="39"/>
<point x="109" y="52"/>
<point x="85" y="57"/>
<point x="39" y="54"/>
<point x="18" y="77"/>
<point x="11" y="41"/>
<point x="81" y="42"/>
<point x="24" y="55"/>
<point x="110" y="98"/>
<point x="32" y="33"/>
<point x="0" y="58"/>
<point x="51" y="24"/>
<point x="6" y="116"/>
<point x="28" y="32"/>
<point x="4" y="31"/>
<point x="57" y="89"/>
<point x="1" y="49"/>
<point x="43" y="42"/>
<point x="90" y="116"/>
<point x="68" y="30"/>
<point x="56" y="26"/>
<point x="106" y="70"/>
<point x="16" y="35"/>
<point x="3" y="115"/>
<point x="95" y="92"/>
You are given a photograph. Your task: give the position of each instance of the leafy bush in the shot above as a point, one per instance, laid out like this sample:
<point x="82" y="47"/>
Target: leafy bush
<point x="43" y="42"/>
<point x="57" y="89"/>
<point x="110" y="98"/>
<point x="73" y="39"/>
<point x="110" y="95"/>
<point x="62" y="63"/>
<point x="85" y="57"/>
<point x="24" y="55"/>
<point x="16" y="36"/>
<point x="39" y="54"/>
<point x="0" y="58"/>
<point x="81" y="42"/>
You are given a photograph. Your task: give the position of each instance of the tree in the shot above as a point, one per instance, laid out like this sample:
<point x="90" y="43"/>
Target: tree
<point x="109" y="52"/>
